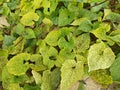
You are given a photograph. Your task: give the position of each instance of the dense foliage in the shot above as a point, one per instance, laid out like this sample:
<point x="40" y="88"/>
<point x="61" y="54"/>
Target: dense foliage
<point x="45" y="44"/>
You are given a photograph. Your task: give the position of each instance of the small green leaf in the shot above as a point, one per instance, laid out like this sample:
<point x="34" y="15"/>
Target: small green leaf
<point x="47" y="21"/>
<point x="19" y="29"/>
<point x="29" y="33"/>
<point x="71" y="72"/>
<point x="100" y="57"/>
<point x="115" y="69"/>
<point x="66" y="43"/>
<point x="20" y="60"/>
<point x="7" y="41"/>
<point x="29" y="18"/>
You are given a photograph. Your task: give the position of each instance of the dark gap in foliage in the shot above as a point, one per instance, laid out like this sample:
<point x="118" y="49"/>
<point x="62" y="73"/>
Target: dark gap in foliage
<point x="58" y="49"/>
<point x="53" y="68"/>
<point x="10" y="56"/>
<point x="29" y="72"/>
<point x="52" y="58"/>
<point x="115" y="48"/>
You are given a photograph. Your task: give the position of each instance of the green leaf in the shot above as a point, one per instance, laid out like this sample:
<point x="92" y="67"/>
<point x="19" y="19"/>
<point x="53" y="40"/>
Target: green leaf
<point x="15" y="86"/>
<point x="3" y="60"/>
<point x="50" y="57"/>
<point x="115" y="36"/>
<point x="102" y="77"/>
<point x="114" y="69"/>
<point x="18" y="45"/>
<point x="29" y="18"/>
<point x="47" y="21"/>
<point x="109" y="15"/>
<point x="7" y="41"/>
<point x="65" y="17"/>
<point x="20" y="60"/>
<point x="31" y="87"/>
<point x="50" y="80"/>
<point x="37" y="77"/>
<point x="29" y="33"/>
<point x="100" y="57"/>
<point x="19" y="29"/>
<point x="66" y="43"/>
<point x="71" y="72"/>
<point x="52" y="38"/>
<point x="38" y="63"/>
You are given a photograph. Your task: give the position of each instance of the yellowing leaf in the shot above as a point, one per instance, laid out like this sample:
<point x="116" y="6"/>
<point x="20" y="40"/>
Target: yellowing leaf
<point x="102" y="77"/>
<point x="47" y="21"/>
<point x="29" y="18"/>
<point x="37" y="77"/>
<point x="52" y="38"/>
<point x="71" y="72"/>
<point x="15" y="86"/>
<point x="18" y="64"/>
<point x="100" y="57"/>
<point x="101" y="31"/>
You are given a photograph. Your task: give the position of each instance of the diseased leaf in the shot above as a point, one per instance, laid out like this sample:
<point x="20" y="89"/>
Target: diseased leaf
<point x="20" y="60"/>
<point x="115" y="69"/>
<point x="82" y="43"/>
<point x="102" y="77"/>
<point x="71" y="72"/>
<point x="29" y="18"/>
<point x="100" y="57"/>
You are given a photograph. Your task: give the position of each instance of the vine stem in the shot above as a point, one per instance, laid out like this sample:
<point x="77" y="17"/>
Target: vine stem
<point x="97" y="4"/>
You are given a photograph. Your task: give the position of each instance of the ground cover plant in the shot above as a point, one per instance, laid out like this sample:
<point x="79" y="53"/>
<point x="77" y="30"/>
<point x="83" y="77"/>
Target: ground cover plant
<point x="46" y="44"/>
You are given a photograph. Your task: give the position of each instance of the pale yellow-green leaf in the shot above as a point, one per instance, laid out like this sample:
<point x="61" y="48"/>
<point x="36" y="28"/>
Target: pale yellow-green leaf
<point x="71" y="72"/>
<point x="37" y="77"/>
<point x="18" y="64"/>
<point x="100" y="56"/>
<point x="29" y="18"/>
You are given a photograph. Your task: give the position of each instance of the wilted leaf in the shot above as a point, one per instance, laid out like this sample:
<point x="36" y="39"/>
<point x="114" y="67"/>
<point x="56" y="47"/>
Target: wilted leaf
<point x="100" y="57"/>
<point x="3" y="22"/>
<point x="71" y="72"/>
